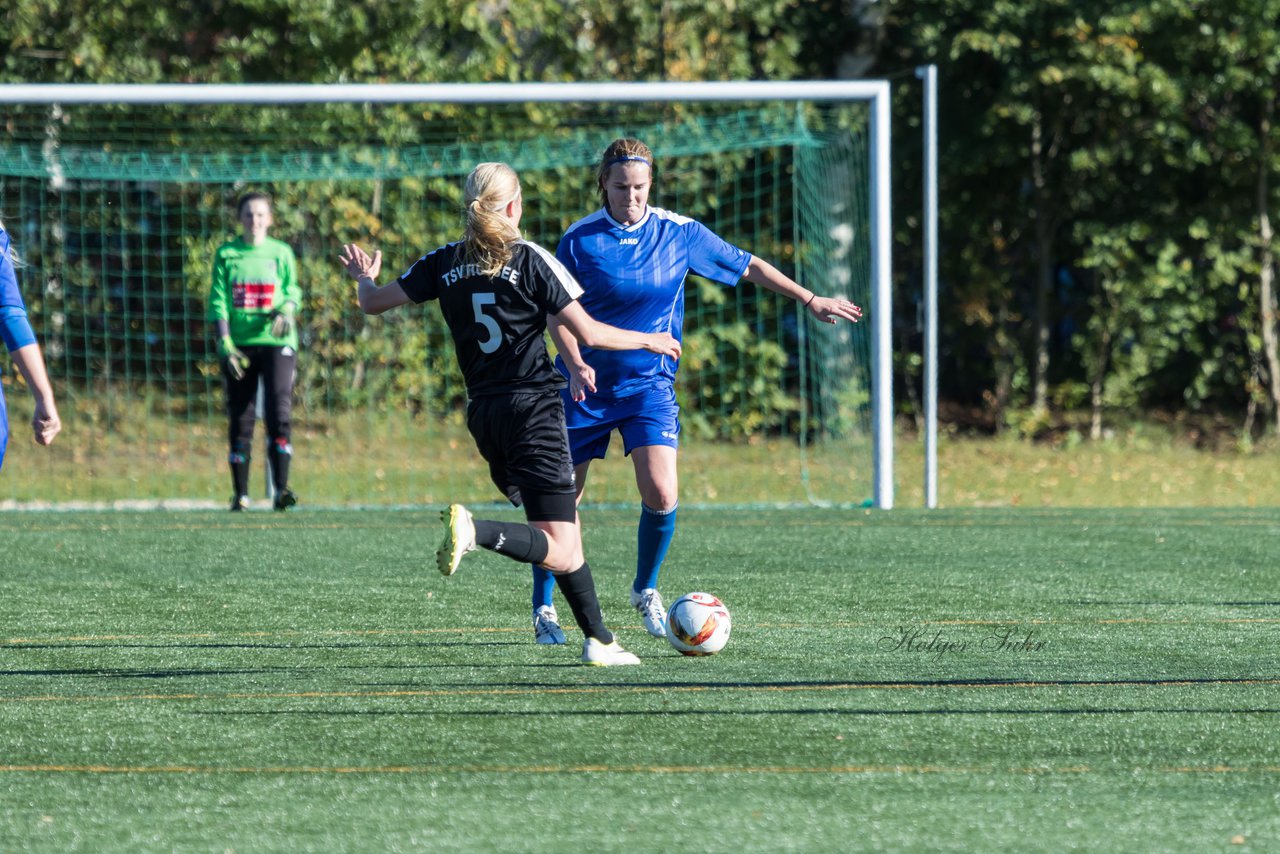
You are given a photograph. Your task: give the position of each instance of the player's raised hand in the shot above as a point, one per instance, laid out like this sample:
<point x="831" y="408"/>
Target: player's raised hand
<point x="664" y="344"/>
<point x="360" y="264"/>
<point x="833" y="309"/>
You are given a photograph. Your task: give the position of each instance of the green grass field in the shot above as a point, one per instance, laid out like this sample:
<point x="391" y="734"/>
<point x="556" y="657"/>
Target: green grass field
<point x="971" y="679"/>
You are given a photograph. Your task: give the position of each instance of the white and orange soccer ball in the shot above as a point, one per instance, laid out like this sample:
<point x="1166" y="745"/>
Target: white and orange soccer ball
<point x="698" y="624"/>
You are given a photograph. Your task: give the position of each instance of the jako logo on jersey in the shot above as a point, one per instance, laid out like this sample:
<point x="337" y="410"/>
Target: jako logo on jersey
<point x="629" y="241"/>
<point x="502" y="538"/>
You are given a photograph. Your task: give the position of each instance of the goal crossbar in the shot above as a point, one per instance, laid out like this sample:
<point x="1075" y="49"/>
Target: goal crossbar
<point x="455" y="93"/>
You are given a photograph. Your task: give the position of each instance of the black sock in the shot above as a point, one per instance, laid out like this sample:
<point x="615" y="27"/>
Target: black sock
<point x="515" y="540"/>
<point x="240" y="475"/>
<point x="279" y="455"/>
<point x="579" y="591"/>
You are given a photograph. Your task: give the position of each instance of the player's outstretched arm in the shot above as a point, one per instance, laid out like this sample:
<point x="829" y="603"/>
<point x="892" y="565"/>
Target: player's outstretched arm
<point x="364" y="268"/>
<point x="582" y="377"/>
<point x="30" y="362"/>
<point x="826" y="309"/>
<point x="602" y="336"/>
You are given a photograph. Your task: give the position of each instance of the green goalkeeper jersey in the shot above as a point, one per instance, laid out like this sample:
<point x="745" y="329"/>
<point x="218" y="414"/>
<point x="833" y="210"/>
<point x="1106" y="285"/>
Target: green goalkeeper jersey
<point x="249" y="284"/>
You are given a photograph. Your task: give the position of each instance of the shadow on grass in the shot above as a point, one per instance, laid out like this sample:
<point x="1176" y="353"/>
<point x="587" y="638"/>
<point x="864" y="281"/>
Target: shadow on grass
<point x="663" y="713"/>
<point x="256" y="646"/>
<point x="1179" y="602"/>
<point x="827" y="685"/>
<point x="144" y="674"/>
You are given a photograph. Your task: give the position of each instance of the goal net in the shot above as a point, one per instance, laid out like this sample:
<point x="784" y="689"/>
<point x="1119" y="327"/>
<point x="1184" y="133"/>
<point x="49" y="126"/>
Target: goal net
<point x="116" y="210"/>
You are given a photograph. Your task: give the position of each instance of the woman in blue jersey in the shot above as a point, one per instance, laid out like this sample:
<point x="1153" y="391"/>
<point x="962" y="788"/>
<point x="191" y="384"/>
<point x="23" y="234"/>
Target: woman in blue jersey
<point x="632" y="260"/>
<point x="20" y="341"/>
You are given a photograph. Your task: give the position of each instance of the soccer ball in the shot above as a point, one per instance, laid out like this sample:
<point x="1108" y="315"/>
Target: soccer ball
<point x="698" y="624"/>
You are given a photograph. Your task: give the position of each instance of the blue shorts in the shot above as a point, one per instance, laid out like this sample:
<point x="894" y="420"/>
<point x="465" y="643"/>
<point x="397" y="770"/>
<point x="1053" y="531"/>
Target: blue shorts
<point x="651" y="417"/>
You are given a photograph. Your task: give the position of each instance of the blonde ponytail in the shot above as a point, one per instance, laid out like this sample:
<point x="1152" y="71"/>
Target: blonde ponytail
<point x="490" y="237"/>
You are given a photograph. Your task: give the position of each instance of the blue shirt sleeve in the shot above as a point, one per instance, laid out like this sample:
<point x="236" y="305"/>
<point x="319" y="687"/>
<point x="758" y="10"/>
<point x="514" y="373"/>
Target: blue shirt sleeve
<point x="714" y="258"/>
<point x="15" y="329"/>
<point x="9" y="293"/>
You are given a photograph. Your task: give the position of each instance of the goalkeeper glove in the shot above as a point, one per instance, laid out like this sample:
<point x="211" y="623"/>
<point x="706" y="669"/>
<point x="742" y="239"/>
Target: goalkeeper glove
<point x="282" y="321"/>
<point x="234" y="360"/>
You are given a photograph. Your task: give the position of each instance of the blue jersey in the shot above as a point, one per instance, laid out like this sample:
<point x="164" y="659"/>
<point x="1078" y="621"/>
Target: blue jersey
<point x="15" y="330"/>
<point x="9" y="295"/>
<point x="632" y="277"/>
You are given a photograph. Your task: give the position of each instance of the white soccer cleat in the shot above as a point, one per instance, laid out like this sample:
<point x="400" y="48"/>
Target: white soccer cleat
<point x="649" y="603"/>
<point x="546" y="625"/>
<point x="599" y="654"/>
<point x="459" y="538"/>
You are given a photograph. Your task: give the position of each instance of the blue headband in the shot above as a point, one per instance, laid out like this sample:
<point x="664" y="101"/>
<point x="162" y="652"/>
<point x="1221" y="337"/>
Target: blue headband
<point x="626" y="158"/>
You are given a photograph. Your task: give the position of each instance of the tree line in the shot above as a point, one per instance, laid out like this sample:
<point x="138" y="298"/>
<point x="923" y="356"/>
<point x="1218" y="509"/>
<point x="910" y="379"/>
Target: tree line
<point x="1105" y="237"/>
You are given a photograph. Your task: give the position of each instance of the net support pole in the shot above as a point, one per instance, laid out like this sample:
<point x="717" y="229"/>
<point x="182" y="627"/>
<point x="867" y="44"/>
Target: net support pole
<point x="881" y="306"/>
<point x="929" y="73"/>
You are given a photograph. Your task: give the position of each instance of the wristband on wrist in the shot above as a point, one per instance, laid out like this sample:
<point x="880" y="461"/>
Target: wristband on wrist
<point x="810" y="299"/>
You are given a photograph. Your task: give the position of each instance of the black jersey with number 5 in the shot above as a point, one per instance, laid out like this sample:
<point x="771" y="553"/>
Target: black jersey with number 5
<point x="497" y="321"/>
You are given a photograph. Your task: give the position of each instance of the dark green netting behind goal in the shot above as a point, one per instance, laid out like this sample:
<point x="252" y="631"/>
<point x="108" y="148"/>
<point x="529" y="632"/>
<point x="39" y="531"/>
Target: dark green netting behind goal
<point x="116" y="213"/>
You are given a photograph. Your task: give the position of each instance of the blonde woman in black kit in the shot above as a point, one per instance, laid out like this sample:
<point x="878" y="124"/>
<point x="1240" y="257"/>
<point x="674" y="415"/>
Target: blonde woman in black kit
<point x="496" y="291"/>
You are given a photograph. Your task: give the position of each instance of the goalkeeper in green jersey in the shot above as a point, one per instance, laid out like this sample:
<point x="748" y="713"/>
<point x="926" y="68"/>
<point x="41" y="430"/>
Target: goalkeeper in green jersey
<point x="253" y="306"/>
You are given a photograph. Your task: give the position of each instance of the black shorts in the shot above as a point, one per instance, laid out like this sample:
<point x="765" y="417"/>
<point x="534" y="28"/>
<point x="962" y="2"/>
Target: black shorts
<point x="523" y="438"/>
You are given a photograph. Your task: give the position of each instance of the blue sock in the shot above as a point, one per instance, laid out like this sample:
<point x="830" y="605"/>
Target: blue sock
<point x="653" y="538"/>
<point x="543" y="583"/>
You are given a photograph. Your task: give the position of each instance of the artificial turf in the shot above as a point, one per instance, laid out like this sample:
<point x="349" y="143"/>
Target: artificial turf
<point x="979" y="679"/>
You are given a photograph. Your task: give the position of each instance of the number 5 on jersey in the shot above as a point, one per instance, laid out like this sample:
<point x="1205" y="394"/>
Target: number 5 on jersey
<point x="494" y="339"/>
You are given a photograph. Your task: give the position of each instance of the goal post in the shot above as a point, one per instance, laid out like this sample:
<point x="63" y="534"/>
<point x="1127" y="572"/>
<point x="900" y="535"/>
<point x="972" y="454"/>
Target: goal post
<point x="56" y="189"/>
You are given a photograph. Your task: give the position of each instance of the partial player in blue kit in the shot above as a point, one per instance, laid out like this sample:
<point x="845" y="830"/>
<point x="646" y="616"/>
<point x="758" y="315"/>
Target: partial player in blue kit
<point x="632" y="261"/>
<point x="20" y="341"/>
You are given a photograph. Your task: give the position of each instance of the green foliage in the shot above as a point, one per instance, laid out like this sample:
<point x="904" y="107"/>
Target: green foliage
<point x="256" y="41"/>
<point x="1123" y="147"/>
<point x="1101" y="157"/>
<point x="733" y="383"/>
